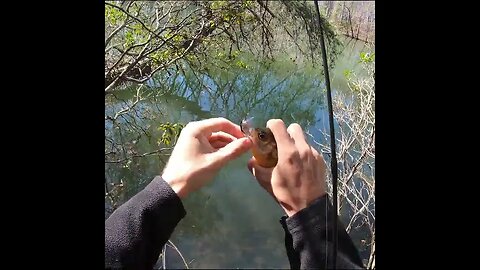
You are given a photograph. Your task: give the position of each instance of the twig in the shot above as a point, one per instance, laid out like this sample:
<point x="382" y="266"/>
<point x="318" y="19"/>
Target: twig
<point x="179" y="253"/>
<point x="139" y="156"/>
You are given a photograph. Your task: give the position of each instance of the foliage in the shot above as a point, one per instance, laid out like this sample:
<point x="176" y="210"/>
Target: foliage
<point x="170" y="132"/>
<point x="142" y="38"/>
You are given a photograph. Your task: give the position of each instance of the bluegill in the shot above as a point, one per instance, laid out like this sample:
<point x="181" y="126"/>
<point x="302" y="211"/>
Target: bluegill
<point x="264" y="145"/>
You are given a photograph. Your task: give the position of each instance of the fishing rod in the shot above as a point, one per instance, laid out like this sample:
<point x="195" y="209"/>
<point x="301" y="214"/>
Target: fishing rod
<point x="332" y="140"/>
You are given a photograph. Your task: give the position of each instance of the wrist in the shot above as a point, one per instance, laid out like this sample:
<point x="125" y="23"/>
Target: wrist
<point x="290" y="213"/>
<point x="177" y="185"/>
<point x="292" y="209"/>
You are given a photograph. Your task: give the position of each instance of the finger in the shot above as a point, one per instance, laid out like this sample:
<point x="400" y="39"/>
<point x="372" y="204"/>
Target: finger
<point x="219" y="124"/>
<point x="283" y="139"/>
<point x="315" y="153"/>
<point x="296" y="132"/>
<point x="221" y="136"/>
<point x="231" y="151"/>
<point x="319" y="158"/>
<point x="263" y="175"/>
<point x="218" y="144"/>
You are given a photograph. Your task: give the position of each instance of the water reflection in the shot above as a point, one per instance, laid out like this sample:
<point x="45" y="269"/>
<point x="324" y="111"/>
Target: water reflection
<point x="231" y="223"/>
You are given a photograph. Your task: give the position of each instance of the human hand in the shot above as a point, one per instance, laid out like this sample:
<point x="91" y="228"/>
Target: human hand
<point x="203" y="147"/>
<point x="299" y="176"/>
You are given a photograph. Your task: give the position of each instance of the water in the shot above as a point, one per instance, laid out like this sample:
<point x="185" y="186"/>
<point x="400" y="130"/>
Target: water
<point x="232" y="222"/>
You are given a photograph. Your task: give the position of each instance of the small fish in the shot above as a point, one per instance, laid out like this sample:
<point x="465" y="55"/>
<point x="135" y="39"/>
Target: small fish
<point x="264" y="145"/>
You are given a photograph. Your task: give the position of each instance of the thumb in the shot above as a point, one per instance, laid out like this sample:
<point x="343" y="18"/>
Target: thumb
<point x="231" y="151"/>
<point x="263" y="175"/>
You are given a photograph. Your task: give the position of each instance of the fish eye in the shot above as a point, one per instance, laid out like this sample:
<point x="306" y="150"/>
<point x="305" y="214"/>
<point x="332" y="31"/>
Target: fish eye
<point x="262" y="135"/>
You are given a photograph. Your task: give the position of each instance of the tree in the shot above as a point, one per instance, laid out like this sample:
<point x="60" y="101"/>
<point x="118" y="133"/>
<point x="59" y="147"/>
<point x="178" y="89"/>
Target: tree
<point x="143" y="38"/>
<point x="354" y="116"/>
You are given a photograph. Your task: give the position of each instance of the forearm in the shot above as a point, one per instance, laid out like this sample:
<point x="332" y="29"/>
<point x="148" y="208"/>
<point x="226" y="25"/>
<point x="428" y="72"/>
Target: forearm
<point x="308" y="245"/>
<point x="136" y="232"/>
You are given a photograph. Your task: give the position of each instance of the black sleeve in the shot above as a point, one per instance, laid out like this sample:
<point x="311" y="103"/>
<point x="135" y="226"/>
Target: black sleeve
<point x="136" y="232"/>
<point x="306" y="242"/>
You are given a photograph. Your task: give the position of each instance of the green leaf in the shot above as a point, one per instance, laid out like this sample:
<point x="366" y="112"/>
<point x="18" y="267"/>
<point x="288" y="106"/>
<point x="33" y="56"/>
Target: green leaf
<point x="241" y="64"/>
<point x="129" y="39"/>
<point x="367" y="57"/>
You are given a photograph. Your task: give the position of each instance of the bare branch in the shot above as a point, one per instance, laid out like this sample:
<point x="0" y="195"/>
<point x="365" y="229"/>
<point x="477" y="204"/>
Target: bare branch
<point x="141" y="155"/>
<point x="355" y="116"/>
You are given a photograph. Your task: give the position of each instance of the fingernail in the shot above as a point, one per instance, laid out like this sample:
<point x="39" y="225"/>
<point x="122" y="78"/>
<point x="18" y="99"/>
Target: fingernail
<point x="249" y="166"/>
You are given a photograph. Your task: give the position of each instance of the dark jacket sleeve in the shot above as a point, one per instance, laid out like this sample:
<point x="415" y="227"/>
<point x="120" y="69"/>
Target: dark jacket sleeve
<point x="136" y="232"/>
<point x="306" y="239"/>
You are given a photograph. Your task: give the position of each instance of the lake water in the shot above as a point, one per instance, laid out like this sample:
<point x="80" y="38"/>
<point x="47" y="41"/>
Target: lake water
<point x="233" y="222"/>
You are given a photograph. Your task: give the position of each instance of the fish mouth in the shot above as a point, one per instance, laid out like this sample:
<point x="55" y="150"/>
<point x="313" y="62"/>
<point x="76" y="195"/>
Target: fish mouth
<point x="246" y="126"/>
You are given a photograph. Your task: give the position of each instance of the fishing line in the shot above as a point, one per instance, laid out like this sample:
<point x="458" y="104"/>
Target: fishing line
<point x="332" y="140"/>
